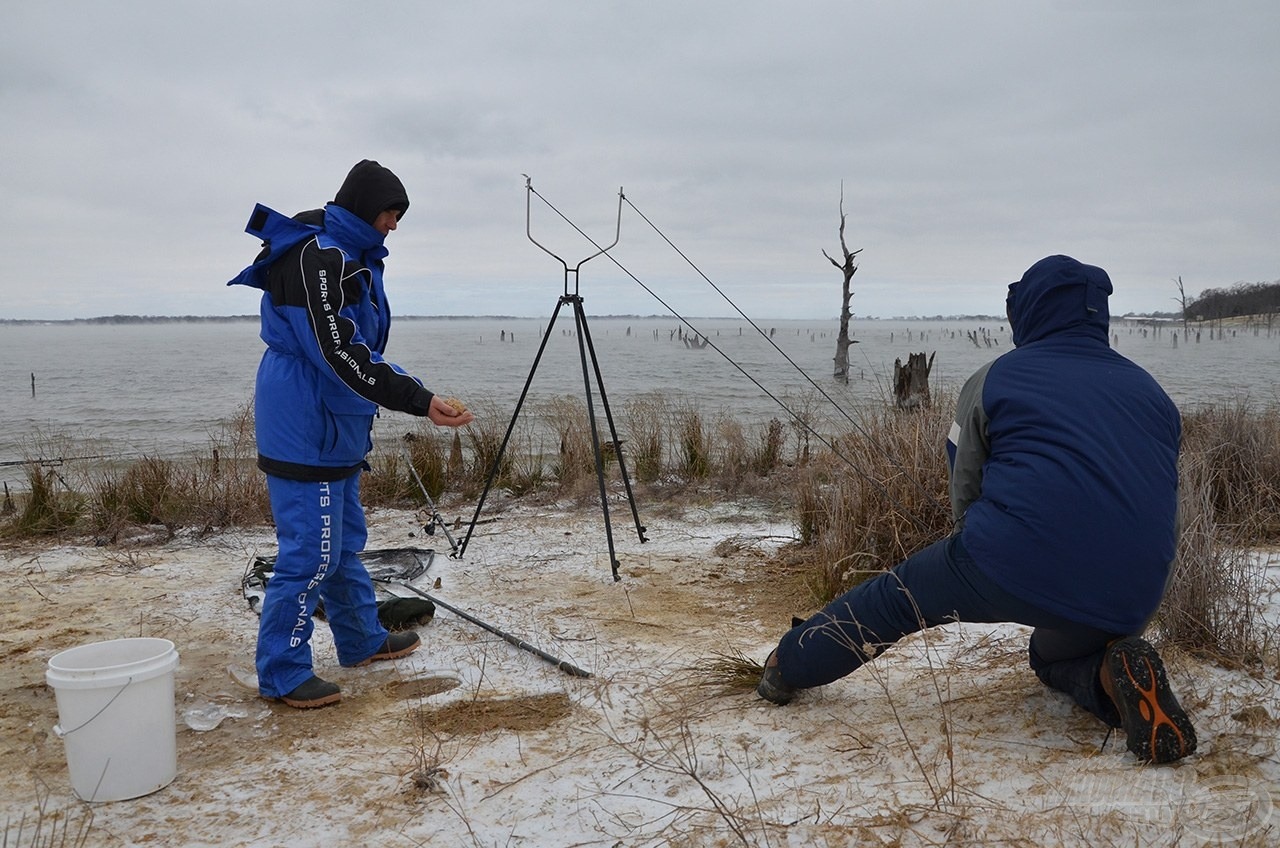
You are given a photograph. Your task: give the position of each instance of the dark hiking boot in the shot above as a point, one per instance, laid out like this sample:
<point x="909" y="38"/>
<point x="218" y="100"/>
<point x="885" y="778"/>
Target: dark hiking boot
<point x="397" y="645"/>
<point x="1157" y="728"/>
<point x="313" y="693"/>
<point x="771" y="687"/>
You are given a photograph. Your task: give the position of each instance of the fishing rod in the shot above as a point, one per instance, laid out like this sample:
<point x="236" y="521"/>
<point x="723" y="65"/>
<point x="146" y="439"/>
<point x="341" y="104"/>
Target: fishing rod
<point x="435" y="519"/>
<point x="564" y="665"/>
<point x="52" y="461"/>
<point x="849" y="418"/>
<point x="438" y="520"/>
<point x="728" y="300"/>
<point x="836" y="451"/>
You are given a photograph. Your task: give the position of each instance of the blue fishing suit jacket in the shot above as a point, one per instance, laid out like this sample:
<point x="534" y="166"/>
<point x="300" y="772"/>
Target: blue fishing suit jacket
<point x="1064" y="459"/>
<point x="325" y="321"/>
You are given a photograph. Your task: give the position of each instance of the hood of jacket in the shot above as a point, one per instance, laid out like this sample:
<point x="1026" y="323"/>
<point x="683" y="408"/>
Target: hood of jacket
<point x="1059" y="295"/>
<point x="369" y="190"/>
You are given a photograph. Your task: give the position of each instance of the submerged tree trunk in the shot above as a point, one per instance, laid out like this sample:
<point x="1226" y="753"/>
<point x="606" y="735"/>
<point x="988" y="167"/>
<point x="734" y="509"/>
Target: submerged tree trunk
<point x="848" y="268"/>
<point x="911" y="382"/>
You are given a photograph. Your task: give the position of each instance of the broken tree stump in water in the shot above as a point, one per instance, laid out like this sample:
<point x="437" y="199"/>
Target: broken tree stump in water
<point x="911" y="382"/>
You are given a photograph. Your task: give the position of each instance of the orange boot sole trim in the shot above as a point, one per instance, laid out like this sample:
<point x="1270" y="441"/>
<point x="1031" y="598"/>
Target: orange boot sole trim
<point x="1158" y="729"/>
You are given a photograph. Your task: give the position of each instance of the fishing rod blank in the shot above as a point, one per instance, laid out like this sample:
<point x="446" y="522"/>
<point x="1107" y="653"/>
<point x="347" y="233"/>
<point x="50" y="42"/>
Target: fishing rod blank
<point x="436" y="518"/>
<point x="564" y="665"/>
<point x="930" y="496"/>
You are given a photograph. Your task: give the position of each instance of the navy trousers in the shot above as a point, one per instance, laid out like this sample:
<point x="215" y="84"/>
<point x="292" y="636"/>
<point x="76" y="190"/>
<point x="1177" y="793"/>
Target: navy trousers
<point x="939" y="585"/>
<point x="320" y="528"/>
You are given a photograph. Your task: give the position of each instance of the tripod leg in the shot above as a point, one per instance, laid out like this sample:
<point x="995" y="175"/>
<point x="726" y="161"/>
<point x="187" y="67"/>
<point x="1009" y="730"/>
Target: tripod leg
<point x="580" y="319"/>
<point x="497" y="460"/>
<point x="613" y="430"/>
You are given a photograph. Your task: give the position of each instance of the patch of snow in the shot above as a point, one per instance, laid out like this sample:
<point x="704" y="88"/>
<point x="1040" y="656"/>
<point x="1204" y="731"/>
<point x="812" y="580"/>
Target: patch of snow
<point x="947" y="738"/>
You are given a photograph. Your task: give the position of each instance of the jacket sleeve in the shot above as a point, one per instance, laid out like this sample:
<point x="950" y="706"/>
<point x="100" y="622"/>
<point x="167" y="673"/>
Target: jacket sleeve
<point x="968" y="445"/>
<point x="330" y="336"/>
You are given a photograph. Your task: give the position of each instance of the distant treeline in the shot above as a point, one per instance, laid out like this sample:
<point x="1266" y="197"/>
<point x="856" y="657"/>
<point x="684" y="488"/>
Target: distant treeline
<point x="1240" y="299"/>
<point x="1212" y="304"/>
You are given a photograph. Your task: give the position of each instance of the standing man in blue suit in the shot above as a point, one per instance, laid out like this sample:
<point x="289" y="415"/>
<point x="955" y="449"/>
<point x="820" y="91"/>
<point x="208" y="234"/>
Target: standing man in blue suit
<point x="325" y="321"/>
<point x="1064" y="491"/>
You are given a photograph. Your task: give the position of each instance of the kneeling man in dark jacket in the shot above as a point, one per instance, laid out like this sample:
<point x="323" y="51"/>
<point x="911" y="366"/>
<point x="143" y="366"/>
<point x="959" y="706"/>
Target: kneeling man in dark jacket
<point x="1064" y="490"/>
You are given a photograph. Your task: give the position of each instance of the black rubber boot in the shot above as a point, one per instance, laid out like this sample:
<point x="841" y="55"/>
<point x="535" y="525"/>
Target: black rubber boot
<point x="771" y="687"/>
<point x="313" y="693"/>
<point x="397" y="645"/>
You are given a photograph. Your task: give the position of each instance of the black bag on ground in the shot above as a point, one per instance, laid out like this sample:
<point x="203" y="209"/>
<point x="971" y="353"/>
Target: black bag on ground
<point x="397" y="565"/>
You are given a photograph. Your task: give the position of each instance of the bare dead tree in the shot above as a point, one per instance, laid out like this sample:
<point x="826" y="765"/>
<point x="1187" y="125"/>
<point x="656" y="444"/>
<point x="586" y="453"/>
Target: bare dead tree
<point x="1182" y="303"/>
<point x="848" y="268"/>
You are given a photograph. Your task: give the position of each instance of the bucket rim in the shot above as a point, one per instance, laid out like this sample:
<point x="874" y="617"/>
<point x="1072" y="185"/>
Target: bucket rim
<point x="163" y="648"/>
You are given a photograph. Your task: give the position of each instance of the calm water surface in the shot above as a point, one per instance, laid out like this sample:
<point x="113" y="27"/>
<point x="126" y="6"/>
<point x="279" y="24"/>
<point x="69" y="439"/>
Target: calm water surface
<point x="167" y="389"/>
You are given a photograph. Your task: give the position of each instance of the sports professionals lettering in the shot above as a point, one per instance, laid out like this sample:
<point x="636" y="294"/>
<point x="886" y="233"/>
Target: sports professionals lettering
<point x="325" y="554"/>
<point x="331" y="320"/>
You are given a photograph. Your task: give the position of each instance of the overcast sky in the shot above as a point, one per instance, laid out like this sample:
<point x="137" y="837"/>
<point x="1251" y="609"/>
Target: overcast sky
<point x="972" y="138"/>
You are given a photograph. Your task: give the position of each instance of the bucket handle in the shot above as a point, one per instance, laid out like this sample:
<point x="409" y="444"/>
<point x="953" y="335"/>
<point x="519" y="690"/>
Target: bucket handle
<point x="62" y="733"/>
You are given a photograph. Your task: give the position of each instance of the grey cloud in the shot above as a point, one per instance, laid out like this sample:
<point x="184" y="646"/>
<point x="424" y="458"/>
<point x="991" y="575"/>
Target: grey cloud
<point x="972" y="139"/>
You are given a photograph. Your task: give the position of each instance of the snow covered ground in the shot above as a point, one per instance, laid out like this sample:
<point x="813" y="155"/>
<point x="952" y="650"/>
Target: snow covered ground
<point x="946" y="739"/>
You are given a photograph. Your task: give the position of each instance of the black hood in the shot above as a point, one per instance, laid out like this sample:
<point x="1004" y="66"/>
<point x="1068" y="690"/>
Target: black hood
<point x="369" y="190"/>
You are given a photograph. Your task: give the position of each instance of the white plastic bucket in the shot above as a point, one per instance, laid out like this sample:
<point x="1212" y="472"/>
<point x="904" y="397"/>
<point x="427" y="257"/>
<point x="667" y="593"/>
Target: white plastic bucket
<point x="115" y="716"/>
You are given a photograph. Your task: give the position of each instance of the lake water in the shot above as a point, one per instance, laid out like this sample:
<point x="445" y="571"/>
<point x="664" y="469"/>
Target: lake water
<point x="164" y="389"/>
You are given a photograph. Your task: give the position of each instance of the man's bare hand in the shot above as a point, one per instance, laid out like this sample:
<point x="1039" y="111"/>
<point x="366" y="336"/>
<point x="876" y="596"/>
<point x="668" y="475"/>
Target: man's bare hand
<point x="449" y="412"/>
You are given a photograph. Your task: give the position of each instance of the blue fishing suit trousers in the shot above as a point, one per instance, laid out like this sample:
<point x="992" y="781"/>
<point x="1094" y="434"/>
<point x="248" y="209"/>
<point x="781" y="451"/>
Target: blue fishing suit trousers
<point x="940" y="585"/>
<point x="320" y="529"/>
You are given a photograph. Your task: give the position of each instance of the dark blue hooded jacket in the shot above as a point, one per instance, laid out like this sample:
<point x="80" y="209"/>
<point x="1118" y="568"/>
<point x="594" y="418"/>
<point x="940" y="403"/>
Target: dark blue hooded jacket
<point x="325" y="321"/>
<point x="1064" y="459"/>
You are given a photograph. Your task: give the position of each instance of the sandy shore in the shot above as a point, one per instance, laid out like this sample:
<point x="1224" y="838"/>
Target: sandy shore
<point x="948" y="739"/>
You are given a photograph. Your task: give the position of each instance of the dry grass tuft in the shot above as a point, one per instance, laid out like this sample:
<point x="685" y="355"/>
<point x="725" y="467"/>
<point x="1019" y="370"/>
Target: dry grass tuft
<point x="484" y="438"/>
<point x="49" y="508"/>
<point x="1213" y="604"/>
<point x="694" y="442"/>
<point x="1240" y="472"/>
<point x="220" y="488"/>
<point x="429" y="452"/>
<point x="879" y="496"/>
<point x="226" y="487"/>
<point x="574" y="463"/>
<point x="727" y="671"/>
<point x="644" y="420"/>
<point x="388" y="481"/>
